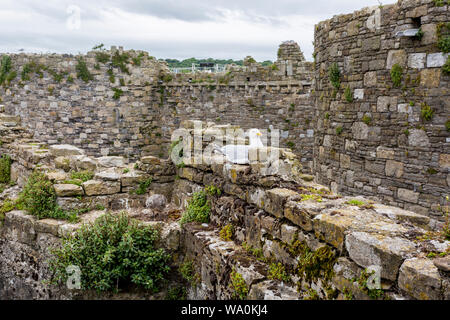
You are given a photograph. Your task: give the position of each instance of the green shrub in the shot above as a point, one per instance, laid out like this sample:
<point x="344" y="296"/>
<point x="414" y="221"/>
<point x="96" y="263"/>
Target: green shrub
<point x="443" y="35"/>
<point x="5" y="169"/>
<point x="238" y="285"/>
<point x="120" y="61"/>
<point x="447" y="125"/>
<point x="278" y="272"/>
<point x="38" y="197"/>
<point x="112" y="252"/>
<point x="7" y="206"/>
<point x="83" y="71"/>
<point x="117" y="93"/>
<point x="176" y="293"/>
<point x="102" y="57"/>
<point x="198" y="209"/>
<point x="427" y="112"/>
<point x="226" y="233"/>
<point x="339" y="130"/>
<point x="367" y="119"/>
<point x="143" y="186"/>
<point x="5" y="68"/>
<point x="83" y="175"/>
<point x="313" y="265"/>
<point x="27" y="69"/>
<point x="396" y="75"/>
<point x="213" y="190"/>
<point x="348" y="95"/>
<point x="187" y="271"/>
<point x="334" y="75"/>
<point x="446" y="66"/>
<point x="440" y="3"/>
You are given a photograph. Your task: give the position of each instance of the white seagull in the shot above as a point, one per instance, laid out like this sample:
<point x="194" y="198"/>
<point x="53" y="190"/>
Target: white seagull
<point x="239" y="153"/>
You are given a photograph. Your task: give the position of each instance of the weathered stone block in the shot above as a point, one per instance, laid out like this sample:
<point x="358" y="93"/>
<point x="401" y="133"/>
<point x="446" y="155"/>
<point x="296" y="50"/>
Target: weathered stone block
<point x="436" y="60"/>
<point x="68" y="190"/>
<point x="418" y="138"/>
<point x="276" y="199"/>
<point x="420" y="279"/>
<point x="394" y="168"/>
<point x="297" y="213"/>
<point x="396" y="57"/>
<point x="97" y="187"/>
<point x="370" y="79"/>
<point x="408" y="195"/>
<point x="417" y="60"/>
<point x="63" y="150"/>
<point x="430" y="78"/>
<point x="385" y="104"/>
<point x="378" y="250"/>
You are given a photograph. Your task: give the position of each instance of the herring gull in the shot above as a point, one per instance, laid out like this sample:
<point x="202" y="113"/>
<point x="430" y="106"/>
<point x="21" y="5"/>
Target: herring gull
<point x="239" y="153"/>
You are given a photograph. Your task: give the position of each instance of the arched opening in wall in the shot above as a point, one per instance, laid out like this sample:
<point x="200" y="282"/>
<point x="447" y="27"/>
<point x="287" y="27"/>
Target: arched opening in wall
<point x="248" y="79"/>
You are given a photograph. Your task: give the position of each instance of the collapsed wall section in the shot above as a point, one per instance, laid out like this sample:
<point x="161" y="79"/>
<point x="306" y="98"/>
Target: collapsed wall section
<point x="383" y="104"/>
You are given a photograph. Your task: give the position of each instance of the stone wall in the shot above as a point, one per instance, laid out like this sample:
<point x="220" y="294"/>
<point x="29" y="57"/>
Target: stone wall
<point x="60" y="108"/>
<point x="273" y="97"/>
<point x="289" y="219"/>
<point x="379" y="144"/>
<point x="154" y="102"/>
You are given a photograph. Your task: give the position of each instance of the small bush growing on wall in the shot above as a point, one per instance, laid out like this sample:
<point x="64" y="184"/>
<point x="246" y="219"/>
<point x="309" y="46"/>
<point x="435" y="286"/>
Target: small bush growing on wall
<point x="83" y="175"/>
<point x="238" y="285"/>
<point x="278" y="272"/>
<point x="38" y="197"/>
<point x="446" y="66"/>
<point x="348" y="95"/>
<point x="443" y="35"/>
<point x="396" y="75"/>
<point x="83" y="71"/>
<point x="426" y="112"/>
<point x="334" y="75"/>
<point x="226" y="233"/>
<point x="198" y="209"/>
<point x="117" y="93"/>
<point x="120" y="61"/>
<point x="367" y="119"/>
<point x="113" y="252"/>
<point x="5" y="169"/>
<point x="102" y="57"/>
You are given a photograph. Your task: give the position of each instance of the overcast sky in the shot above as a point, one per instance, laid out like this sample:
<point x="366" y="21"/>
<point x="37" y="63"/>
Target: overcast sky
<point x="168" y="28"/>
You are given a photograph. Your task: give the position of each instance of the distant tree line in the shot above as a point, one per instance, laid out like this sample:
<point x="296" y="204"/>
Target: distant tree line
<point x="187" y="63"/>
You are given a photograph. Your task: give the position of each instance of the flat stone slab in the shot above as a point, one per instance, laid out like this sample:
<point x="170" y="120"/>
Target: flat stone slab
<point x="61" y="150"/>
<point x="109" y="162"/>
<point x="108" y="175"/>
<point x="68" y="190"/>
<point x="98" y="187"/>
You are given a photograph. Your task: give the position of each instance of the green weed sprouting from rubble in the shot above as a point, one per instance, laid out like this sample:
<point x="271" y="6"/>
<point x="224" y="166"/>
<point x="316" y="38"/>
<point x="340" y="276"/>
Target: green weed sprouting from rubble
<point x="113" y="252"/>
<point x="198" y="209"/>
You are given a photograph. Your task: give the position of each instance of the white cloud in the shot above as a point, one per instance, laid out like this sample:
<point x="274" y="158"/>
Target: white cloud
<point x="167" y="28"/>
